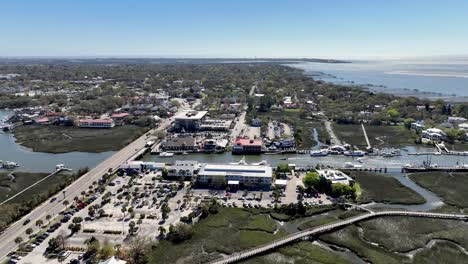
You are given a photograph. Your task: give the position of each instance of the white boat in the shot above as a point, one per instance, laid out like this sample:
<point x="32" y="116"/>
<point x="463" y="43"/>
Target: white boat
<point x="8" y="165"/>
<point x="263" y="162"/>
<point x="356" y="153"/>
<point x="165" y="154"/>
<point x="59" y="167"/>
<point x="319" y="153"/>
<point x="240" y="162"/>
<point x="352" y="166"/>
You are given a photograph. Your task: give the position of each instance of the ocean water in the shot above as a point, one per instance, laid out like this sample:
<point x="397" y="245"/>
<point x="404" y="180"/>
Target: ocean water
<point x="443" y="78"/>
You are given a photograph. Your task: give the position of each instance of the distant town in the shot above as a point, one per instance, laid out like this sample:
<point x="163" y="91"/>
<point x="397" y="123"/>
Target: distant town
<point x="302" y="160"/>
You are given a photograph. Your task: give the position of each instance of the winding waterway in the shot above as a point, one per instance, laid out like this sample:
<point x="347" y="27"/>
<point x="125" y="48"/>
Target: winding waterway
<point x="44" y="162"/>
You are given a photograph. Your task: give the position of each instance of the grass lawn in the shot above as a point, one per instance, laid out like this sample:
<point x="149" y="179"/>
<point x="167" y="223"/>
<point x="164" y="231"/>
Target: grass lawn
<point x="228" y="231"/>
<point x="60" y="139"/>
<point x="383" y="189"/>
<point x="379" y="136"/>
<point x="303" y="127"/>
<point x="452" y="187"/>
<point x="299" y="253"/>
<point x="30" y="198"/>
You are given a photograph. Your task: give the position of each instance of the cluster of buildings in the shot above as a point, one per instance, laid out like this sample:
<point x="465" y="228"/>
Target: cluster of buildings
<point x="194" y="121"/>
<point x="234" y="176"/>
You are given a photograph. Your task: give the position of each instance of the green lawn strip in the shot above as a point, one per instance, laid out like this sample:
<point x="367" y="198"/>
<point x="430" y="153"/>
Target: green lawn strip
<point x="452" y="187"/>
<point x="60" y="139"/>
<point x="383" y="189"/>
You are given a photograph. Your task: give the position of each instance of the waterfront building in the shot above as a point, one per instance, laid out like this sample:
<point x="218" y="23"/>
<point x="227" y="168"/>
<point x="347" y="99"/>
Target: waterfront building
<point x="247" y="146"/>
<point x="237" y="177"/>
<point x="180" y="144"/>
<point x="96" y="123"/>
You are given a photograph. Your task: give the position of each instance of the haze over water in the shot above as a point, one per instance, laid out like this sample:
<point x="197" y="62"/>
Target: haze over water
<point x="446" y="77"/>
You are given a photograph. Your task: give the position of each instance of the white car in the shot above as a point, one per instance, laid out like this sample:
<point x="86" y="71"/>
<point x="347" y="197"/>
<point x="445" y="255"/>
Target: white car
<point x="64" y="254"/>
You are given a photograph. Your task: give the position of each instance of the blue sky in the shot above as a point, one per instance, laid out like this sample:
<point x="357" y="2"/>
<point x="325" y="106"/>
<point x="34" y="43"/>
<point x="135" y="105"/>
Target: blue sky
<point x="237" y="28"/>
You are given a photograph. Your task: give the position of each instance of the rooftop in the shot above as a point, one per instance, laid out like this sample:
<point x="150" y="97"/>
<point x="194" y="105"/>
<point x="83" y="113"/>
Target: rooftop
<point x="241" y="170"/>
<point x="248" y="142"/>
<point x="96" y="121"/>
<point x="191" y="114"/>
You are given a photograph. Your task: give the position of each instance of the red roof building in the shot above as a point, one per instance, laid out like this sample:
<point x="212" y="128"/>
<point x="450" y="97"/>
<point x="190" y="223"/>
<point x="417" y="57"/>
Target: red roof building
<point x="247" y="146"/>
<point x="119" y="115"/>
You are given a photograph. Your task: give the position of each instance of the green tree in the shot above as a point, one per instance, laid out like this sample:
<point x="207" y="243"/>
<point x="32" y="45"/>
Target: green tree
<point x="393" y="113"/>
<point x="18" y="240"/>
<point x="29" y="231"/>
<point x="39" y="223"/>
<point x="311" y="179"/>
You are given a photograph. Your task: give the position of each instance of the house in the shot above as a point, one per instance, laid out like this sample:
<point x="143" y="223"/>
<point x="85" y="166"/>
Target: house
<point x="42" y="121"/>
<point x="119" y="118"/>
<point x="335" y="176"/>
<point x="189" y="120"/>
<point x="287" y="143"/>
<point x="96" y="123"/>
<point x="180" y="144"/>
<point x="214" y="146"/>
<point x="418" y="125"/>
<point x="434" y="134"/>
<point x="456" y="120"/>
<point x="247" y="146"/>
<point x="463" y="126"/>
<point x="236" y="177"/>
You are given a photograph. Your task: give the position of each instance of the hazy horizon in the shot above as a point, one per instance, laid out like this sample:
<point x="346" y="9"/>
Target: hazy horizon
<point x="213" y="29"/>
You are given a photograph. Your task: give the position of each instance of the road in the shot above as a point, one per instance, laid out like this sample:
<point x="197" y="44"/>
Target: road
<point x="328" y="227"/>
<point x="17" y="229"/>
<point x="333" y="138"/>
